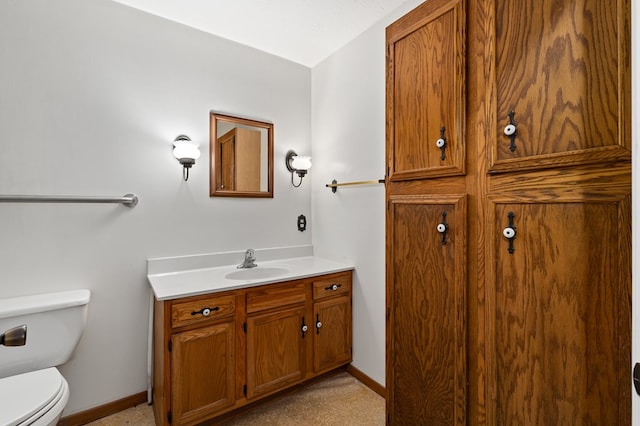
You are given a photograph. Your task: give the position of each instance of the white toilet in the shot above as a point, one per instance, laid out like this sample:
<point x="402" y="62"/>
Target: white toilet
<point x="32" y="390"/>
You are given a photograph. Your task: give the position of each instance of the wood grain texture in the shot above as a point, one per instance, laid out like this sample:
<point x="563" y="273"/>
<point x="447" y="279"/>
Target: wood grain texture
<point x="275" y="351"/>
<point x="559" y="67"/>
<point x="323" y="288"/>
<point x="427" y="311"/>
<point x="182" y="313"/>
<point x="558" y="315"/>
<point x="425" y="92"/>
<point x="203" y="379"/>
<point x="332" y="341"/>
<point x="273" y="296"/>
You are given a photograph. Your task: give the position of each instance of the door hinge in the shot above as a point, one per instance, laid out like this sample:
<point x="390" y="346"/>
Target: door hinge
<point x="169" y="416"/>
<point x="170" y="346"/>
<point x="244" y="390"/>
<point x="244" y="327"/>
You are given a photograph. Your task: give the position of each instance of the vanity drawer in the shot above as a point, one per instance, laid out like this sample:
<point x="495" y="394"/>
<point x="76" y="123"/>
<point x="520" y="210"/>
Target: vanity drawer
<point x="332" y="286"/>
<point x="271" y="296"/>
<point x="202" y="309"/>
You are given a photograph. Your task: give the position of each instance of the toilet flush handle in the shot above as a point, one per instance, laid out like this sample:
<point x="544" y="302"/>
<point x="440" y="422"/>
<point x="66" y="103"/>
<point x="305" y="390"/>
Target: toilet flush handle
<point x="16" y="336"/>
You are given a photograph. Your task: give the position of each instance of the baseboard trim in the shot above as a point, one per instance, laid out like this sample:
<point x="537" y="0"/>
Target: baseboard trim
<point x="368" y="381"/>
<point x="88" y="416"/>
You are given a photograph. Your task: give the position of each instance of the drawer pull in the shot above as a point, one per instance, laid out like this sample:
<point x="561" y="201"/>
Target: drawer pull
<point x="206" y="311"/>
<point x="333" y="287"/>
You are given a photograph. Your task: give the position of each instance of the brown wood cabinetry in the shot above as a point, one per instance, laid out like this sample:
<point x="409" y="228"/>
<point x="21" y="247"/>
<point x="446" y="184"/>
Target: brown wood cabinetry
<point x="332" y="322"/>
<point x="239" y="160"/>
<point x="215" y="353"/>
<point x="276" y="350"/>
<point x="520" y="312"/>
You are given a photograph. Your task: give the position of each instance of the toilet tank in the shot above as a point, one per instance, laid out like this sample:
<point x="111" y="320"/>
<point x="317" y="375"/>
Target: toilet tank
<point x="55" y="322"/>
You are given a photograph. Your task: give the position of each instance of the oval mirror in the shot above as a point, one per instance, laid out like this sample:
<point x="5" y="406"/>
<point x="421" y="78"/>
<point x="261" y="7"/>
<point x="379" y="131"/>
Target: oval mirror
<point x="241" y="157"/>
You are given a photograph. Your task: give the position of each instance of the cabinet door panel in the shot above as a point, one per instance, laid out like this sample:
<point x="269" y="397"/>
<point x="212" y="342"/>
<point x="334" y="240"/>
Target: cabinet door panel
<point x="562" y="314"/>
<point x="561" y="67"/>
<point x="275" y="351"/>
<point x="425" y="92"/>
<point x="332" y="341"/>
<point x="203" y="371"/>
<point x="426" y="301"/>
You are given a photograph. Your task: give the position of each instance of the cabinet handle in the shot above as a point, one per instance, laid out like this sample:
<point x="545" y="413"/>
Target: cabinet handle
<point x="318" y="324"/>
<point x="510" y="232"/>
<point x="206" y="311"/>
<point x="443" y="227"/>
<point x="511" y="130"/>
<point x="333" y="287"/>
<point x="442" y="143"/>
<point x="304" y="328"/>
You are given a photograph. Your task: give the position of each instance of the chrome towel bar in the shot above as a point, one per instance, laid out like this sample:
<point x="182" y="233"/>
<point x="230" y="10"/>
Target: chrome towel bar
<point x="129" y="200"/>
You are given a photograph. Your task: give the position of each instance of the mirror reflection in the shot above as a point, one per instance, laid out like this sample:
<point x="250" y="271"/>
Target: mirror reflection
<point x="241" y="163"/>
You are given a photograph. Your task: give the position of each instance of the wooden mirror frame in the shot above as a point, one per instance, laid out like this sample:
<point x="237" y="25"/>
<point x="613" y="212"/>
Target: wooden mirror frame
<point x="216" y="188"/>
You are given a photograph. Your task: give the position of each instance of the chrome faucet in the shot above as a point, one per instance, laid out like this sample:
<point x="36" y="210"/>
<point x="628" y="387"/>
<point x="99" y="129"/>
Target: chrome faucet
<point x="249" y="259"/>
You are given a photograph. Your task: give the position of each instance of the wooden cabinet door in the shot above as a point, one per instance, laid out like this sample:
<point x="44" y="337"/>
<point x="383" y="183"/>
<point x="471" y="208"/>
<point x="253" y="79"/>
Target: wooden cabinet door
<point x="425" y="92"/>
<point x="226" y="160"/>
<point x="332" y="333"/>
<point x="202" y="372"/>
<point x="247" y="160"/>
<point x="561" y="313"/>
<point x="563" y="67"/>
<point x="426" y="321"/>
<point x="275" y="350"/>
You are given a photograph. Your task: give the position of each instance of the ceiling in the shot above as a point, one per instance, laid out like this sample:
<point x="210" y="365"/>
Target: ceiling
<point x="302" y="31"/>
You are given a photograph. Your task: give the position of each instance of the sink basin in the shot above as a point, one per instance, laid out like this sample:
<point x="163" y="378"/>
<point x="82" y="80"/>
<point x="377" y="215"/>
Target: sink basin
<point x="256" y="273"/>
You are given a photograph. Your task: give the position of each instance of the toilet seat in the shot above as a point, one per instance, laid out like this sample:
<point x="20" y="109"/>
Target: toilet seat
<point x="33" y="398"/>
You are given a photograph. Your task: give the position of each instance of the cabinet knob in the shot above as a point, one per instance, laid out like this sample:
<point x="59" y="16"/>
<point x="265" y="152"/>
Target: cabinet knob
<point x="509" y="233"/>
<point x="443" y="227"/>
<point x="304" y="328"/>
<point x="333" y="287"/>
<point x="318" y="324"/>
<point x="206" y="311"/>
<point x="510" y="129"/>
<point x="441" y="143"/>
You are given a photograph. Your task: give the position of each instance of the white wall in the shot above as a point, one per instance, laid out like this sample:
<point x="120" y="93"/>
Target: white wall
<point x="92" y="93"/>
<point x="348" y="133"/>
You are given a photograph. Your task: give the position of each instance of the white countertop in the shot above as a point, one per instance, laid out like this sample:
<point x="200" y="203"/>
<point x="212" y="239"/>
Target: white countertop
<point x="173" y="285"/>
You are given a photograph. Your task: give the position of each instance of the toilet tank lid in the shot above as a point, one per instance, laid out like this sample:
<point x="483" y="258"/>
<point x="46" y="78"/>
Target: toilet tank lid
<point x="24" y="305"/>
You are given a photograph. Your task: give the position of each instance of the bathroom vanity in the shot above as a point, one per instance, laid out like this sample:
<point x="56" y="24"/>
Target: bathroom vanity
<point x="246" y="338"/>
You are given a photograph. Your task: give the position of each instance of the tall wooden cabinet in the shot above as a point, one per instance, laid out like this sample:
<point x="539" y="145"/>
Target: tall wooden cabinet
<point x="509" y="251"/>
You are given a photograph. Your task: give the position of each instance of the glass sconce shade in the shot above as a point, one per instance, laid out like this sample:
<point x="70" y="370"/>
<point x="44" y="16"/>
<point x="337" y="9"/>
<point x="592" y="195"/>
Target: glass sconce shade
<point x="186" y="152"/>
<point x="301" y="162"/>
<point x="298" y="164"/>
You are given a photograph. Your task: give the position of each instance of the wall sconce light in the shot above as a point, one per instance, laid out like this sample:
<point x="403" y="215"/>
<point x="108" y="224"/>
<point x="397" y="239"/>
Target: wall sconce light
<point x="186" y="152"/>
<point x="298" y="164"/>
